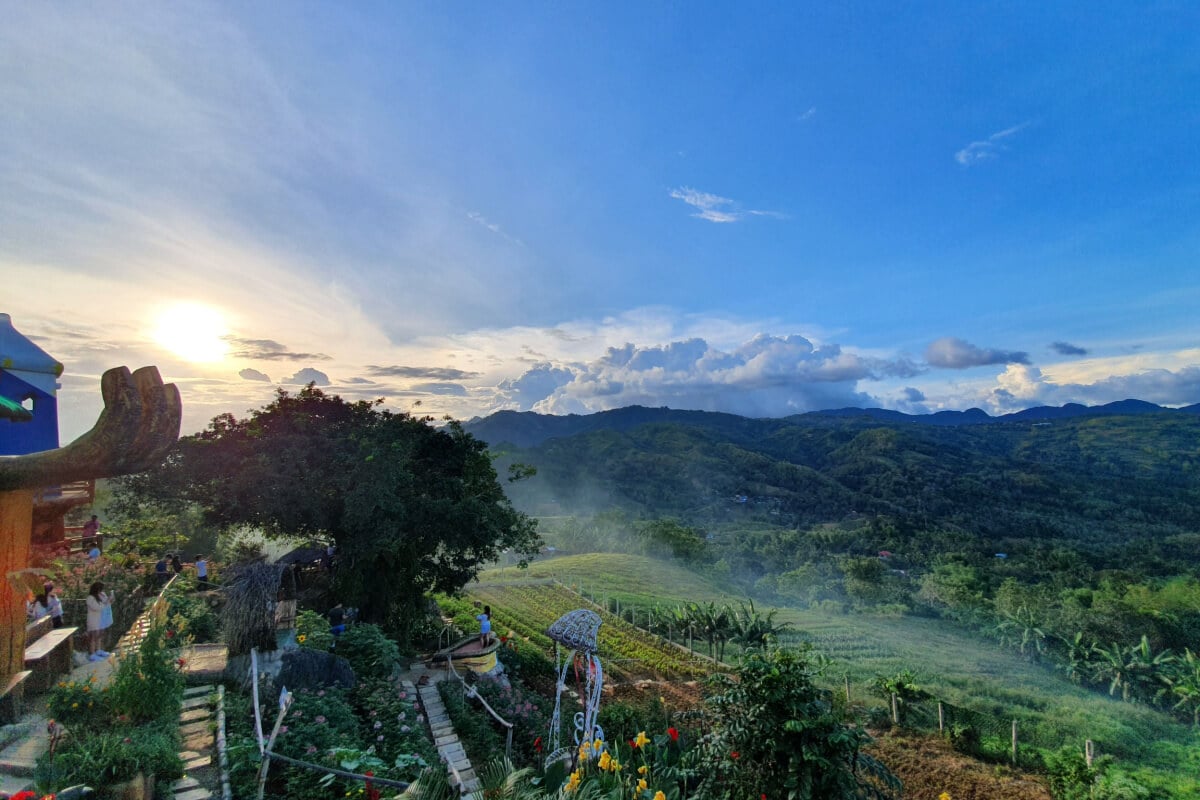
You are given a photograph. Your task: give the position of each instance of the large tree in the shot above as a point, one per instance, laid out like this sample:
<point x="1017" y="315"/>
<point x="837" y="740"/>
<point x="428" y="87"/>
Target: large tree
<point x="411" y="507"/>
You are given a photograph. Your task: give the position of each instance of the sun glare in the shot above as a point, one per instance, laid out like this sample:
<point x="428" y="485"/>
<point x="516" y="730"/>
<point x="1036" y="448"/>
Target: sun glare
<point x="192" y="331"/>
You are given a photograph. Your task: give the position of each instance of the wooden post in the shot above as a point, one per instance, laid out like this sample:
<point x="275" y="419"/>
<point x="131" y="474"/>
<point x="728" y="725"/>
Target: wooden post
<point x="284" y="705"/>
<point x="1014" y="742"/>
<point x="1089" y="752"/>
<point x="895" y="710"/>
<point x="847" y="676"/>
<point x="16" y="526"/>
<point x="941" y="718"/>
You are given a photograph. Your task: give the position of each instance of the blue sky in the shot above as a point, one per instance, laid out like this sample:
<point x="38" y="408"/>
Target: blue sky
<point x="760" y="208"/>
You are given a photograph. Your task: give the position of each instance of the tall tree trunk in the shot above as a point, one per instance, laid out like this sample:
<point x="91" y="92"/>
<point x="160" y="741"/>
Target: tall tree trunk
<point x="16" y="523"/>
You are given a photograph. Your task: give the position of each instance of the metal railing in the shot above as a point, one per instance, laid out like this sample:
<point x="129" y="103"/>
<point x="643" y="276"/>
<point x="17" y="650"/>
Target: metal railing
<point x="470" y="691"/>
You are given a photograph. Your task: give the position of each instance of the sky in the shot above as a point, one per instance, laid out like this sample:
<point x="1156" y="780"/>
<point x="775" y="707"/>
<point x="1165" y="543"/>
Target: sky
<point x="757" y="208"/>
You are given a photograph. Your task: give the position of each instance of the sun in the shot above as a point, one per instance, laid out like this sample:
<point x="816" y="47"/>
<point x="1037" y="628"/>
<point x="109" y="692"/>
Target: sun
<point x="192" y="331"/>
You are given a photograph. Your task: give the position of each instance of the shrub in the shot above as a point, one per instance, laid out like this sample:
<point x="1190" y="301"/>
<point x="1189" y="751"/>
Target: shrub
<point x="147" y="685"/>
<point x="528" y="712"/>
<point x="79" y="704"/>
<point x="105" y="758"/>
<point x="312" y="631"/>
<point x="370" y="653"/>
<point x="393" y="724"/>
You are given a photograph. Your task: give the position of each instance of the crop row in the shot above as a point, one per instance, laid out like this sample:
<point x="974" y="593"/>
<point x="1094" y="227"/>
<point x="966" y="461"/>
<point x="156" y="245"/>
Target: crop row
<point x="529" y="610"/>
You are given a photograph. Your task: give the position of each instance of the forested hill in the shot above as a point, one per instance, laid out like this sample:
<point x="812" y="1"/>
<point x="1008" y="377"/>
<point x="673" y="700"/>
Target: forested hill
<point x="1055" y="474"/>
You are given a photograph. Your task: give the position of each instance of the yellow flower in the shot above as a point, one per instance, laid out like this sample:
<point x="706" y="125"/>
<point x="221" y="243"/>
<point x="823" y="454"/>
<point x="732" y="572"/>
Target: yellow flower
<point x="74" y="705"/>
<point x="642" y="739"/>
<point x="616" y="765"/>
<point x="659" y="795"/>
<point x="301" y="638"/>
<point x="573" y="782"/>
<point x="598" y="744"/>
<point x="643" y="769"/>
<point x="944" y="796"/>
<point x="584" y="752"/>
<point x="605" y="760"/>
<point x="642" y="785"/>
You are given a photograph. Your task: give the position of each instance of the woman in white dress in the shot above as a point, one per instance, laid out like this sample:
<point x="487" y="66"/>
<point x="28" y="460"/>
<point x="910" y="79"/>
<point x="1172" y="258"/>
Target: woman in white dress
<point x="97" y="620"/>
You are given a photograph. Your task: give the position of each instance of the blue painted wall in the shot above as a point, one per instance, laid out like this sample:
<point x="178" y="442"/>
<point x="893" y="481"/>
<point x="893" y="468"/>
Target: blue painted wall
<point x="39" y="433"/>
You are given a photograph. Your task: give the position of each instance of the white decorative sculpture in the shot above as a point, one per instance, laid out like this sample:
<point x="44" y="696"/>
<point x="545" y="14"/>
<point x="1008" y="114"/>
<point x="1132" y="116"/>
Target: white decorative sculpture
<point x="575" y="632"/>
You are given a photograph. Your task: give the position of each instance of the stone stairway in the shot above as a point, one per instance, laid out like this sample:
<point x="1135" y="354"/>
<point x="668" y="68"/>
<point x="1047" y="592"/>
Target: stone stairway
<point x="197" y="723"/>
<point x="462" y="775"/>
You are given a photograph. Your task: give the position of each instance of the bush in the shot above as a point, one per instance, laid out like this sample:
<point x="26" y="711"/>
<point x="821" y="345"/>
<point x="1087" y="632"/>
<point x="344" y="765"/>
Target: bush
<point x="370" y="653"/>
<point x="191" y="613"/>
<point x="79" y="704"/>
<point x="480" y="740"/>
<point x="312" y="669"/>
<point x="312" y="631"/>
<point x="393" y="725"/>
<point x="109" y="757"/>
<point x="147" y="685"/>
<point x="528" y="712"/>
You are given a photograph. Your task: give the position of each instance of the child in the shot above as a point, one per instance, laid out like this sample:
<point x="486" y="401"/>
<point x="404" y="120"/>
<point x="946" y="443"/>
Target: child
<point x="97" y="603"/>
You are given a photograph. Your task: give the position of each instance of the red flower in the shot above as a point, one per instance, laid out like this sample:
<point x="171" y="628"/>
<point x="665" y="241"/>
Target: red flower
<point x="170" y="634"/>
<point x="735" y="755"/>
<point x="181" y="661"/>
<point x="674" y="734"/>
<point x="537" y="744"/>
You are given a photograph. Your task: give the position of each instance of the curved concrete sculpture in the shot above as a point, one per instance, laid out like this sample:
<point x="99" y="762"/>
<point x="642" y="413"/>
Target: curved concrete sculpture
<point x="139" y="423"/>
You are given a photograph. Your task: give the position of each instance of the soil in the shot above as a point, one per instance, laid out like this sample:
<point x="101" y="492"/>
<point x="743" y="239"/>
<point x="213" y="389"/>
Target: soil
<point x="928" y="766"/>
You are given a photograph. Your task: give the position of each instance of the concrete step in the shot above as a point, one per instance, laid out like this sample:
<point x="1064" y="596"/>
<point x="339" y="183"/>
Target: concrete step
<point x="194" y="715"/>
<point x="199" y="691"/>
<point x="11" y="784"/>
<point x="445" y="741"/>
<point x="197" y="763"/>
<point x="195" y="702"/>
<point x="192" y="728"/>
<point x="187" y="755"/>
<point x="194" y="794"/>
<point x="183" y="784"/>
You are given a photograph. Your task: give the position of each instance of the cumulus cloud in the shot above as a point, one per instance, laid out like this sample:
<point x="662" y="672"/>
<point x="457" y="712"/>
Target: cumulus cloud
<point x="715" y="208"/>
<point x="764" y="376"/>
<point x="913" y="395"/>
<point x="430" y="373"/>
<point x="1021" y="386"/>
<point x="268" y="350"/>
<point x="254" y="375"/>
<point x="309" y="375"/>
<point x="1068" y="349"/>
<point x="954" y="353"/>
<point x="989" y="148"/>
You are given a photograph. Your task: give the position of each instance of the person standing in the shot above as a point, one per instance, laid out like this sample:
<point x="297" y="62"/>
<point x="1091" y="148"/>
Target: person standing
<point x="54" y="605"/>
<point x="91" y="529"/>
<point x="99" y="619"/>
<point x="176" y="564"/>
<point x="485" y="626"/>
<point x="201" y="571"/>
<point x="160" y="570"/>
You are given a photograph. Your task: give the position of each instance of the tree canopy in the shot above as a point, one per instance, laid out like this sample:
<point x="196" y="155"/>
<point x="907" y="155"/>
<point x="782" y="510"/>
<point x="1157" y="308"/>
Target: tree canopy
<point x="411" y="507"/>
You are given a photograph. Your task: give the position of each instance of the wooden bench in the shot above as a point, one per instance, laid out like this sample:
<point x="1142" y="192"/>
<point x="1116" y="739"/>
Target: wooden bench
<point x="49" y="657"/>
<point x="12" y="695"/>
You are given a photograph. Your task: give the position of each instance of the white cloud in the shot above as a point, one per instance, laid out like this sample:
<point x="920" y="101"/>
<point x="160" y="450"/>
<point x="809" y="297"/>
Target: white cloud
<point x="954" y="353"/>
<point x="308" y="375"/>
<point x="254" y="375"/>
<point x="715" y="208"/>
<point x="988" y="148"/>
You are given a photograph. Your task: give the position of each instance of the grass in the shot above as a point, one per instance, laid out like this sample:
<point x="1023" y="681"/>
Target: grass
<point x="953" y="665"/>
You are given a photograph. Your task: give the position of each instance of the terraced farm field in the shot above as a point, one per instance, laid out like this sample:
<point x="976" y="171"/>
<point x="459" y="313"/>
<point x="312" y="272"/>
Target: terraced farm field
<point x="529" y="608"/>
<point x="953" y="665"/>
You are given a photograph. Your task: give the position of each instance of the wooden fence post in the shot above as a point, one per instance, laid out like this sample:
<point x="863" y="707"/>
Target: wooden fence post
<point x="941" y="719"/>
<point x="895" y="710"/>
<point x="1014" y="742"/>
<point x="847" y="676"/>
<point x="1089" y="752"/>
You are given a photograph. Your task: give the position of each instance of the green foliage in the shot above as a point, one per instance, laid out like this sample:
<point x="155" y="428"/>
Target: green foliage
<point x="526" y="710"/>
<point x="775" y="734"/>
<point x="369" y="651"/>
<point x="107" y="757"/>
<point x="412" y="508"/>
<point x="474" y="729"/>
<point x="80" y="704"/>
<point x="313" y="631"/>
<point x="191" y="613"/>
<point x="148" y="686"/>
<point x="390" y="723"/>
